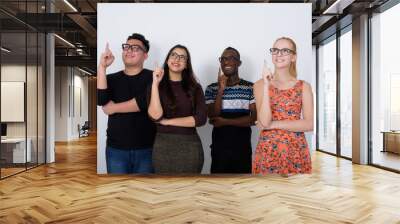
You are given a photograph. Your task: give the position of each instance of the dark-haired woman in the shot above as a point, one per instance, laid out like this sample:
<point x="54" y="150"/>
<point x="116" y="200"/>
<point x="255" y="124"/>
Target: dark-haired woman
<point x="177" y="105"/>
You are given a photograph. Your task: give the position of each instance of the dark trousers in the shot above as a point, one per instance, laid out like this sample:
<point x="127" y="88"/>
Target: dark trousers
<point x="231" y="160"/>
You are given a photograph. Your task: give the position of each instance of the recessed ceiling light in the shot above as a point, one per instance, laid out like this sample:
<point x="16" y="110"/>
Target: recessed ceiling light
<point x="64" y="40"/>
<point x="338" y="6"/>
<point x="84" y="71"/>
<point x="70" y="5"/>
<point x="5" y="50"/>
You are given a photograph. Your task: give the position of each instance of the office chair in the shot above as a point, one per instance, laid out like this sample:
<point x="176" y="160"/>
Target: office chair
<point x="84" y="130"/>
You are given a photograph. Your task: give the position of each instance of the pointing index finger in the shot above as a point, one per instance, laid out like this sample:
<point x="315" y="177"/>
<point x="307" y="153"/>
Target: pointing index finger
<point x="266" y="64"/>
<point x="221" y="72"/>
<point x="156" y="66"/>
<point x="108" y="47"/>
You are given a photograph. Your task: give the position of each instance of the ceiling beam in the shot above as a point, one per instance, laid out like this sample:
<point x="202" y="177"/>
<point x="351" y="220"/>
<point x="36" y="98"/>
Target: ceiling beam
<point x="81" y="61"/>
<point x="86" y="26"/>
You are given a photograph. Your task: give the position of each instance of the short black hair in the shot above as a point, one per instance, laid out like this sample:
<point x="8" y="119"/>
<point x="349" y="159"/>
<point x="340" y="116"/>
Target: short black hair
<point x="138" y="36"/>
<point x="233" y="49"/>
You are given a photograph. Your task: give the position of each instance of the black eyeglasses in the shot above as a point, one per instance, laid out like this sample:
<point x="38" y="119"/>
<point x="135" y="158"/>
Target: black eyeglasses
<point x="133" y="48"/>
<point x="283" y="51"/>
<point x="229" y="58"/>
<point x="175" y="56"/>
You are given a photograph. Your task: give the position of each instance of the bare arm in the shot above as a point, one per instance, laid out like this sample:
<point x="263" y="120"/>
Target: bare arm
<point x="101" y="77"/>
<point x="123" y="107"/>
<point x="261" y="93"/>
<point x="180" y="122"/>
<point x="155" y="109"/>
<point x="127" y="106"/>
<point x="106" y="59"/>
<point x="214" y="109"/>
<point x="307" y="122"/>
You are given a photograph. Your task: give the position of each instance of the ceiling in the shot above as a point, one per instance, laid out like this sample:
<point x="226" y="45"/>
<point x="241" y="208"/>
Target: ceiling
<point x="76" y="22"/>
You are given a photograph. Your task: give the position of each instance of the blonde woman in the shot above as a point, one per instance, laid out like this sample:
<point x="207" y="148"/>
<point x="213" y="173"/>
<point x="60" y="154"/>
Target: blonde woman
<point x="284" y="112"/>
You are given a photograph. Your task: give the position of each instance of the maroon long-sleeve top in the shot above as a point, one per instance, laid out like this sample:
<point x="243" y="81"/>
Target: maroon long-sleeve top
<point x="184" y="108"/>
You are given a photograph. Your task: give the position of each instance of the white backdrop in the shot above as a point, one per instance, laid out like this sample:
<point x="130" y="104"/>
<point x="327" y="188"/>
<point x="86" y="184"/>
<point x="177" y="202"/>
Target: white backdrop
<point x="206" y="29"/>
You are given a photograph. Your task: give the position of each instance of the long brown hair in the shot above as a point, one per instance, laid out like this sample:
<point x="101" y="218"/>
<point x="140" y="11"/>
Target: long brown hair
<point x="189" y="83"/>
<point x="293" y="67"/>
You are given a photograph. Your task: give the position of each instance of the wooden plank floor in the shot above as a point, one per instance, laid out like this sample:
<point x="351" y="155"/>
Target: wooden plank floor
<point x="386" y="159"/>
<point x="70" y="191"/>
<point x="10" y="171"/>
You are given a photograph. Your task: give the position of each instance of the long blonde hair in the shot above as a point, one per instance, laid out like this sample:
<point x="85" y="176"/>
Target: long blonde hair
<point x="293" y="67"/>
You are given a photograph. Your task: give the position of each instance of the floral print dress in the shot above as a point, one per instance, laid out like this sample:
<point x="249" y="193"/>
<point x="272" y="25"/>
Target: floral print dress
<point x="280" y="151"/>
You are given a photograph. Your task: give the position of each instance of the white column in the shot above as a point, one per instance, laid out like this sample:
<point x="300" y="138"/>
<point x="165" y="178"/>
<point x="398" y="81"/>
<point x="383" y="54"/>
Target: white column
<point x="50" y="94"/>
<point x="360" y="90"/>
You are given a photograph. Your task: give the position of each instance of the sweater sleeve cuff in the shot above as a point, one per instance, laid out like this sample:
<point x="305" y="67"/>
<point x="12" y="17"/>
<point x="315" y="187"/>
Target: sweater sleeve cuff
<point x="103" y="97"/>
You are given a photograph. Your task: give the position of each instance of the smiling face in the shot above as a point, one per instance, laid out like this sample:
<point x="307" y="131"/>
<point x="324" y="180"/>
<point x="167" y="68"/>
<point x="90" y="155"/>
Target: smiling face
<point x="177" y="60"/>
<point x="230" y="62"/>
<point x="134" y="58"/>
<point x="283" y="57"/>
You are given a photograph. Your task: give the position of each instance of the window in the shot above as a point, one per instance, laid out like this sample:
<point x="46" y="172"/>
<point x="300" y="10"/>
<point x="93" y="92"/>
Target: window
<point x="346" y="94"/>
<point x="22" y="65"/>
<point x="385" y="89"/>
<point x="327" y="97"/>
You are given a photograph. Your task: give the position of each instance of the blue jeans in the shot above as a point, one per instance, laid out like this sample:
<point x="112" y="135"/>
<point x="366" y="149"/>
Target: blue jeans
<point x="122" y="161"/>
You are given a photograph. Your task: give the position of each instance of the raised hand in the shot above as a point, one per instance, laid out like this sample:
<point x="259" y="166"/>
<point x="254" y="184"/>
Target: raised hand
<point x="106" y="58"/>
<point x="266" y="73"/>
<point x="222" y="79"/>
<point x="158" y="74"/>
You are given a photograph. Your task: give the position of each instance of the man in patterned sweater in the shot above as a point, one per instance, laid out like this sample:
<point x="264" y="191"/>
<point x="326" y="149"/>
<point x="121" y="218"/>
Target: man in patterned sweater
<point x="232" y="112"/>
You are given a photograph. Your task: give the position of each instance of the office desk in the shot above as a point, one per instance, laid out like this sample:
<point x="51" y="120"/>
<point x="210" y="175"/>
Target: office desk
<point x="16" y="147"/>
<point x="391" y="141"/>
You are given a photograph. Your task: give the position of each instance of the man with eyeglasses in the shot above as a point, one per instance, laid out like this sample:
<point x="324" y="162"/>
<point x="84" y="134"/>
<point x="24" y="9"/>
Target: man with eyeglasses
<point x="123" y="97"/>
<point x="232" y="111"/>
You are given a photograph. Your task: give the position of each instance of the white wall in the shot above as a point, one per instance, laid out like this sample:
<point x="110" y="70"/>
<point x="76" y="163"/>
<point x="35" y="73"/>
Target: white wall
<point x="61" y="103"/>
<point x="70" y="83"/>
<point x="206" y="29"/>
<point x="80" y="88"/>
